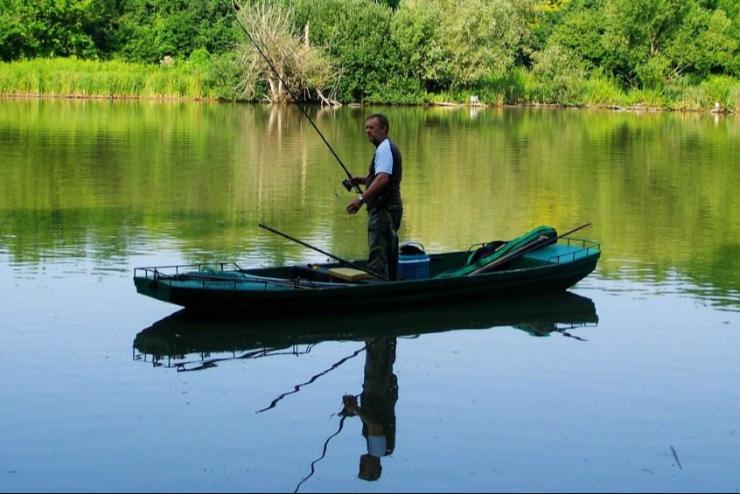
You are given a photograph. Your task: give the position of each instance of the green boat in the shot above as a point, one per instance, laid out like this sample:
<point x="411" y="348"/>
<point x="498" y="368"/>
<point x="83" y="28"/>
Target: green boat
<point x="192" y="341"/>
<point x="536" y="262"/>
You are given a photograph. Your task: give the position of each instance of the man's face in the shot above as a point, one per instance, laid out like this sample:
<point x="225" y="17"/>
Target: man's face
<point x="374" y="130"/>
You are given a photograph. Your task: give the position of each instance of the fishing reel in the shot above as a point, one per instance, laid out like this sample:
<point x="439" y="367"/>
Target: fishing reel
<point x="347" y="184"/>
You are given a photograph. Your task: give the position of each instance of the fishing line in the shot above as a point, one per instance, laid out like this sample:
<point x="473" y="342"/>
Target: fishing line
<point x="298" y="387"/>
<point x="323" y="452"/>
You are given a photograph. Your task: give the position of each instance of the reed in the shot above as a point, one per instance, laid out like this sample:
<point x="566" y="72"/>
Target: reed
<point x="216" y="77"/>
<point x="71" y="77"/>
<point x="602" y="92"/>
<point x="721" y="90"/>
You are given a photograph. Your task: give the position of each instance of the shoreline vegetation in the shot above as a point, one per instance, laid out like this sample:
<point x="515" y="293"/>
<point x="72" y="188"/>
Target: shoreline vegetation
<point x="646" y="55"/>
<point x="70" y="78"/>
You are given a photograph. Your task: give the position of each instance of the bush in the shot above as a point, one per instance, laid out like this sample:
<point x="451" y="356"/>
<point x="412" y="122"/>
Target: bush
<point x="559" y="75"/>
<point x="598" y="90"/>
<point x="724" y="90"/>
<point x="49" y="28"/>
<point x="221" y="76"/>
<point x="148" y="30"/>
<point x="354" y="33"/>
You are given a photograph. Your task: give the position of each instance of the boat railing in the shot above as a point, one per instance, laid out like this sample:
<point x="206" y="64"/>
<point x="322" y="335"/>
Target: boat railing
<point x="211" y="274"/>
<point x="161" y="272"/>
<point x="580" y="248"/>
<point x="205" y="359"/>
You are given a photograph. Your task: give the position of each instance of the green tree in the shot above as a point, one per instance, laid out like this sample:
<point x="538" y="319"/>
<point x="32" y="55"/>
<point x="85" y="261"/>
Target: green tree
<point x="581" y="31"/>
<point x="559" y="74"/>
<point x="649" y="42"/>
<point x="732" y="9"/>
<point x="12" y="32"/>
<point x="148" y="30"/>
<point x="416" y="29"/>
<point x="51" y="28"/>
<point x="457" y="43"/>
<point x="356" y="35"/>
<point x="547" y="15"/>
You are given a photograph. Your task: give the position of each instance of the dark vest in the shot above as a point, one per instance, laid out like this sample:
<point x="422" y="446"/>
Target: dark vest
<point x="390" y="197"/>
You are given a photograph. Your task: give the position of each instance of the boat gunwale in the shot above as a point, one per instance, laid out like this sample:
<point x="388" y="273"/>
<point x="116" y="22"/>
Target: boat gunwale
<point x="293" y="286"/>
<point x="527" y="279"/>
<point x="250" y="275"/>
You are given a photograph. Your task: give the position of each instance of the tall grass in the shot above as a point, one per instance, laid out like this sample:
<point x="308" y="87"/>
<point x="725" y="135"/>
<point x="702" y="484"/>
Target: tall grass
<point x="114" y="79"/>
<point x="205" y="76"/>
<point x="722" y="90"/>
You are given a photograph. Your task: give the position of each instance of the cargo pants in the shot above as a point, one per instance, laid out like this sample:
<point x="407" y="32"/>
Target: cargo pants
<point x="382" y="238"/>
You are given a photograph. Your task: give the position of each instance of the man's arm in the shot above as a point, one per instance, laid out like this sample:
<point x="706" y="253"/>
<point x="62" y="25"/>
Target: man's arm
<point x="381" y="180"/>
<point x="351" y="408"/>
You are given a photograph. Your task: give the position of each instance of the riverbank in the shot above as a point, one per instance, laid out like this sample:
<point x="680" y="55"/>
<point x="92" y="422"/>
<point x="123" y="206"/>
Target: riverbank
<point x="216" y="80"/>
<point x="69" y="77"/>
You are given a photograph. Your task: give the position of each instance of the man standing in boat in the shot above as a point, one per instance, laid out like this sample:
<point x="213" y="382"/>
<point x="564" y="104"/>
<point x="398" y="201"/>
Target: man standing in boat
<point x="383" y="198"/>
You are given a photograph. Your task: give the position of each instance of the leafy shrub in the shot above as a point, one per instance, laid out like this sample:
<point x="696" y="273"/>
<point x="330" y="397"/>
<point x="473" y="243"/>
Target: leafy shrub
<point x="559" y="76"/>
<point x="355" y="34"/>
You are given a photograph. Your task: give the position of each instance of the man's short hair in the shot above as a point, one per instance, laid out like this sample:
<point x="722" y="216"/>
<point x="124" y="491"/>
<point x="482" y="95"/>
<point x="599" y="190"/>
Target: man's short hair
<point x="382" y="119"/>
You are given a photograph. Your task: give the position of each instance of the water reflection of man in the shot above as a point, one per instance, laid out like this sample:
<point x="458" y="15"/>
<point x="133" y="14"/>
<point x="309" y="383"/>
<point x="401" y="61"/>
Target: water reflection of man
<point x="377" y="406"/>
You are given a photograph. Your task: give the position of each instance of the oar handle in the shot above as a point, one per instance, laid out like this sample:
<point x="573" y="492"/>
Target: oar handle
<point x="540" y="242"/>
<point x="573" y="230"/>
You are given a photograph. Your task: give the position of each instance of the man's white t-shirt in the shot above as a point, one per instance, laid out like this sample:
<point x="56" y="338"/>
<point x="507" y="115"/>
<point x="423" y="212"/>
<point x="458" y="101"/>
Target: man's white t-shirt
<point x="376" y="445"/>
<point x="384" y="158"/>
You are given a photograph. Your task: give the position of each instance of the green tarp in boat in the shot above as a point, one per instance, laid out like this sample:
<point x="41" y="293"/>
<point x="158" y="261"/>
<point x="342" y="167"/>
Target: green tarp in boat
<point x="473" y="264"/>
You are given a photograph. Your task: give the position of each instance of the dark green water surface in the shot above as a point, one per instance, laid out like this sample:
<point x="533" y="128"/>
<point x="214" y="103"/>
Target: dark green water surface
<point x="630" y="382"/>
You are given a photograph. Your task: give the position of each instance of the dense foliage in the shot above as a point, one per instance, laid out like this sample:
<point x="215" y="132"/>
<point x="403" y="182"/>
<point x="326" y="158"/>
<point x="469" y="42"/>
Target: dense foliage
<point x="620" y="52"/>
<point x="355" y="33"/>
<point x="51" y="28"/>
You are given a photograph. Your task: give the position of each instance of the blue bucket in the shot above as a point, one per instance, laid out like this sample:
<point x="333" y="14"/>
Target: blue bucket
<point x="413" y="262"/>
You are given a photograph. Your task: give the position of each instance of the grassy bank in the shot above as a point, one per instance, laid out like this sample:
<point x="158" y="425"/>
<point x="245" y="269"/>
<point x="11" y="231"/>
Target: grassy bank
<point x="203" y="77"/>
<point x="521" y="87"/>
<point x="71" y="77"/>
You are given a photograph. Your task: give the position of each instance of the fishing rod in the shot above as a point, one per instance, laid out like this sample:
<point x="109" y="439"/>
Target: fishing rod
<point x="343" y="261"/>
<point x="347" y="183"/>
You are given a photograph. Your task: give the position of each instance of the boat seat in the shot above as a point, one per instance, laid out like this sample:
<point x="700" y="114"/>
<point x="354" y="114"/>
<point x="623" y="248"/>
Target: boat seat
<point x="350" y="274"/>
<point x="322" y="273"/>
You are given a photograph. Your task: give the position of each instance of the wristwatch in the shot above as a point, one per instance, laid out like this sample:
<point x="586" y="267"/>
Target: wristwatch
<point x="361" y="199"/>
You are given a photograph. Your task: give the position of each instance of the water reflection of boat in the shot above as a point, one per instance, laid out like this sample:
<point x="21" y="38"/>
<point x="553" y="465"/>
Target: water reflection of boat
<point x="181" y="334"/>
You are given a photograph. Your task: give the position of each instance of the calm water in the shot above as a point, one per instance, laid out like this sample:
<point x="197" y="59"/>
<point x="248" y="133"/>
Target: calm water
<point x="631" y="382"/>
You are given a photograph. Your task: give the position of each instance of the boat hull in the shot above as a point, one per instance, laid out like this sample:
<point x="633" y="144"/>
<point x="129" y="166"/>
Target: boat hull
<point x="355" y="297"/>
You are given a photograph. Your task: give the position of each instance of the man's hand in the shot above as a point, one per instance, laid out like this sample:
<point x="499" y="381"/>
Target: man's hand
<point x="354" y="206"/>
<point x="350" y="405"/>
<point x="348" y="183"/>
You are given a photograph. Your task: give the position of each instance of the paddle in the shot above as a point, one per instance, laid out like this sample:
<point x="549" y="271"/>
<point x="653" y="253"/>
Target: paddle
<point x="343" y="261"/>
<point x="542" y="241"/>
